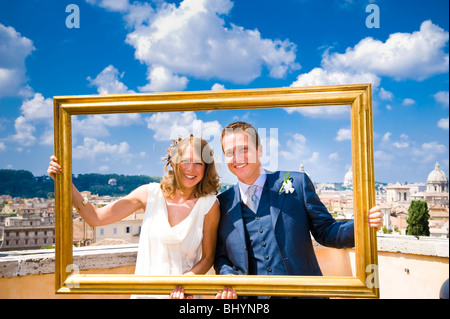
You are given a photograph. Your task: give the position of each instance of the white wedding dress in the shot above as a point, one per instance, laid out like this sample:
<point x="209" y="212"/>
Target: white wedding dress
<point x="164" y="250"/>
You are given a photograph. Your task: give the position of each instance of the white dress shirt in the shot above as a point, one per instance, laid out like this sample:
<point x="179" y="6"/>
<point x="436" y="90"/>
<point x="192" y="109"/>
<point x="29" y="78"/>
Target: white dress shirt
<point x="259" y="182"/>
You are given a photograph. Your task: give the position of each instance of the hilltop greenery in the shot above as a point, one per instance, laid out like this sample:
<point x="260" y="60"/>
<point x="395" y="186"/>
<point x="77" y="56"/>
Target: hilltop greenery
<point x="21" y="183"/>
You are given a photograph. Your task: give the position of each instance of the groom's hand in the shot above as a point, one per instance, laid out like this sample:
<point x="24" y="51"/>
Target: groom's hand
<point x="226" y="293"/>
<point x="375" y="217"/>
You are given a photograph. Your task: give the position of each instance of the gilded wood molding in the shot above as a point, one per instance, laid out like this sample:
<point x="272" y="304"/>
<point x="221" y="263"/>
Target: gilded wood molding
<point x="359" y="96"/>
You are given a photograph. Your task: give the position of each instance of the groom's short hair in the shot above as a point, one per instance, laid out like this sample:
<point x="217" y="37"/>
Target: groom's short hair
<point x="244" y="127"/>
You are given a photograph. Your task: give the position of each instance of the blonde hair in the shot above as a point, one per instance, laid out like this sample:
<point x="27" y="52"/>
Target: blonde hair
<point x="210" y="183"/>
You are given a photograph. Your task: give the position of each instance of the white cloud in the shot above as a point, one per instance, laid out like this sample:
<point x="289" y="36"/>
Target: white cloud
<point x="111" y="5"/>
<point x="37" y="108"/>
<point x="334" y="156"/>
<point x="314" y="159"/>
<point x="13" y="51"/>
<point x="193" y="40"/>
<point x="343" y="134"/>
<point x="108" y="82"/>
<point x="295" y="147"/>
<point x="93" y="125"/>
<point x="24" y="132"/>
<point x="3" y="122"/>
<point x="416" y="55"/>
<point x="321" y="76"/>
<point x="403" y="143"/>
<point x="385" y="95"/>
<point x="428" y="152"/>
<point x="47" y="137"/>
<point x="433" y="146"/>
<point x="408" y="102"/>
<point x="442" y="98"/>
<point x="93" y="148"/>
<point x="218" y="87"/>
<point x="386" y="137"/>
<point x="162" y="79"/>
<point x="34" y="110"/>
<point x="103" y="168"/>
<point x="98" y="125"/>
<point x="443" y="123"/>
<point x="135" y="13"/>
<point x="382" y="156"/>
<point x="318" y="77"/>
<point x="173" y="125"/>
<point x="170" y="125"/>
<point x="139" y="14"/>
<point x="329" y="111"/>
<point x="400" y="144"/>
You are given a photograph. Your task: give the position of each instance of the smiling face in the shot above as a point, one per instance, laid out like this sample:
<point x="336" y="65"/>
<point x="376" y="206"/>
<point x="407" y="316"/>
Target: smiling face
<point x="191" y="168"/>
<point x="242" y="156"/>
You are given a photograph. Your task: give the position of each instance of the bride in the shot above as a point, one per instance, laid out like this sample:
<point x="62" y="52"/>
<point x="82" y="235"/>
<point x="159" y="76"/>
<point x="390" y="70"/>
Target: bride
<point x="179" y="229"/>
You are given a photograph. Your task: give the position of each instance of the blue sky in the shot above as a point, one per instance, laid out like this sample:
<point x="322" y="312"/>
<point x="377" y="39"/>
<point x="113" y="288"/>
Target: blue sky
<point x="152" y="46"/>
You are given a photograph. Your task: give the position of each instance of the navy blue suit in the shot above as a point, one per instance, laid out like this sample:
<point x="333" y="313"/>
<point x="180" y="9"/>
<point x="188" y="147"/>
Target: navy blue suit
<point x="289" y="217"/>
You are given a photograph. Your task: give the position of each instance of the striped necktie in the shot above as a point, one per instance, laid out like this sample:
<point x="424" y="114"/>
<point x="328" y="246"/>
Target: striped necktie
<point x="252" y="199"/>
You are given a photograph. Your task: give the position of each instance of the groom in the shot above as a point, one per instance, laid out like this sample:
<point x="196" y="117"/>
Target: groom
<point x="265" y="231"/>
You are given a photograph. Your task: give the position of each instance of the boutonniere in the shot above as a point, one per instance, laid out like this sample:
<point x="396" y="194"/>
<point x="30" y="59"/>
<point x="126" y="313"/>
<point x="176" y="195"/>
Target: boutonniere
<point x="287" y="184"/>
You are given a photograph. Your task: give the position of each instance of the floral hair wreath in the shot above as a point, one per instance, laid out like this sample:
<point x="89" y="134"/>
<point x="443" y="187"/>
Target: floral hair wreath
<point x="168" y="157"/>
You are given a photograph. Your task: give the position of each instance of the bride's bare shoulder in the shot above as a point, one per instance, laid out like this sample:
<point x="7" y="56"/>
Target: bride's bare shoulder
<point x="140" y="194"/>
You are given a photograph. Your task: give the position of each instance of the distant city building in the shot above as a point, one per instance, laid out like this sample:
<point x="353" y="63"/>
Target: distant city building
<point x="398" y="193"/>
<point x="29" y="223"/>
<point x="302" y="170"/>
<point x="437" y="198"/>
<point x="394" y="200"/>
<point x="27" y="233"/>
<point x="83" y="234"/>
<point x="127" y="230"/>
<point x="437" y="182"/>
<point x="434" y="192"/>
<point x="348" y="178"/>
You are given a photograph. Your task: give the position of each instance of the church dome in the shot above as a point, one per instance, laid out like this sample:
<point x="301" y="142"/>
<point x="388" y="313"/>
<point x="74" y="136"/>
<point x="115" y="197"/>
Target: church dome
<point x="437" y="175"/>
<point x="302" y="170"/>
<point x="348" y="178"/>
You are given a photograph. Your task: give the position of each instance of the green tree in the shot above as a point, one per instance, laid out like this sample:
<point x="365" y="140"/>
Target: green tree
<point x="418" y="218"/>
<point x="21" y="183"/>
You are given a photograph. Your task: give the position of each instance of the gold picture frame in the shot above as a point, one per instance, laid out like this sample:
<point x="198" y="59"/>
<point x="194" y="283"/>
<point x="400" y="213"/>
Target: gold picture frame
<point x="359" y="96"/>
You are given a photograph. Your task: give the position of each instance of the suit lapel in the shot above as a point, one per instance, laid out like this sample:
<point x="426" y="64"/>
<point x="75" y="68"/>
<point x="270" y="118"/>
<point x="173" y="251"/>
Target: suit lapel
<point x="236" y="213"/>
<point x="276" y="198"/>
